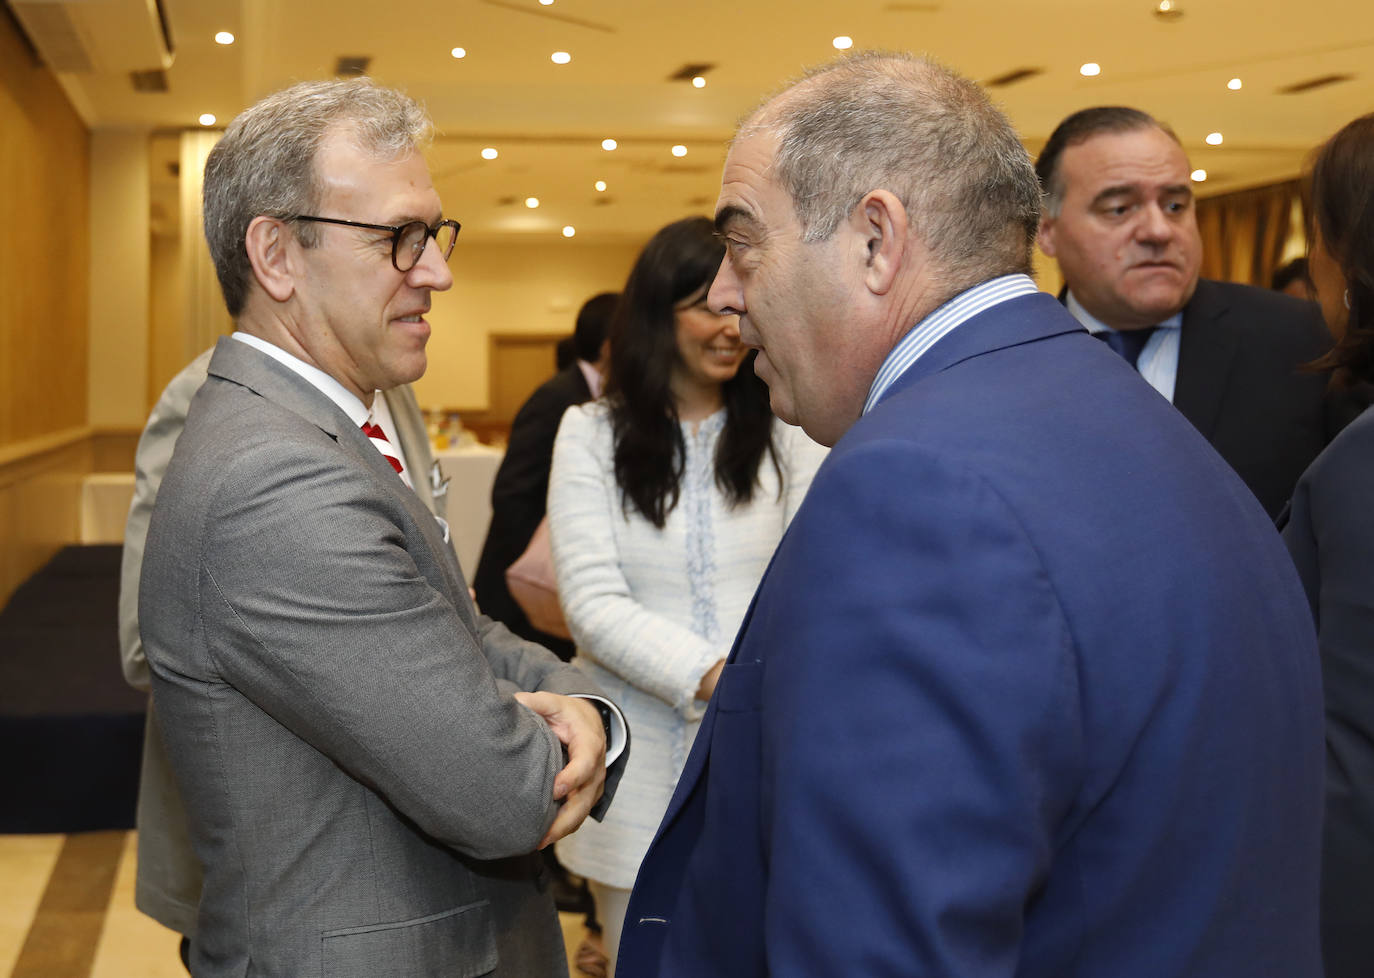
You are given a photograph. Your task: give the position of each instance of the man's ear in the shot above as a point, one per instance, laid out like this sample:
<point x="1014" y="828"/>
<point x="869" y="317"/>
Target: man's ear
<point x="880" y="219"/>
<point x="267" y="244"/>
<point x="1045" y="236"/>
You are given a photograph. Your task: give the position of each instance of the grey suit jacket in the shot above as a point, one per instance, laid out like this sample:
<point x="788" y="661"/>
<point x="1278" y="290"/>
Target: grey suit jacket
<point x="361" y="785"/>
<point x="168" y="881"/>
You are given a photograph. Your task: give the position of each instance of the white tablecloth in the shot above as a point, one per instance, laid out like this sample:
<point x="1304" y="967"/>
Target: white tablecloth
<point x="470" y="470"/>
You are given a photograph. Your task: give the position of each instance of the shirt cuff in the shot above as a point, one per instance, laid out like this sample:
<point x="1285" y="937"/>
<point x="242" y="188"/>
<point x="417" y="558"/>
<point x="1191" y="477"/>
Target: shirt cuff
<point x="617" y="730"/>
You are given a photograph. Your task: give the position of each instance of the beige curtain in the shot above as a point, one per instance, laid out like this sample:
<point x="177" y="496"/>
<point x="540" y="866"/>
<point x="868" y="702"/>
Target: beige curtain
<point x="204" y="318"/>
<point x="1244" y="233"/>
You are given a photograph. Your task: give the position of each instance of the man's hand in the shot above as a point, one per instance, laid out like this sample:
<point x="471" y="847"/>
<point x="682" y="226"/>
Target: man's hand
<point x="577" y="724"/>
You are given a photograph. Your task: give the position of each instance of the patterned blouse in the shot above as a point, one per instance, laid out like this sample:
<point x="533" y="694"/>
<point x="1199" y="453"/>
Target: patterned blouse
<point x="651" y="610"/>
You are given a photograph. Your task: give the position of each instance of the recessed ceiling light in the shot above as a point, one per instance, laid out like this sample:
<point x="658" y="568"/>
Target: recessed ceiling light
<point x="600" y="186"/>
<point x="531" y="202"/>
<point x="843" y="42"/>
<point x="1214" y="139"/>
<point x="1090" y="69"/>
<point x="679" y="150"/>
<point x="1234" y="84"/>
<point x="1164" y="6"/>
<point x="560" y="57"/>
<point x="546" y="3"/>
<point x="568" y="229"/>
<point x="207" y="119"/>
<point x="224" y="37"/>
<point x="459" y="52"/>
<point x="490" y="153"/>
<point x="698" y="82"/>
<point x="608" y="144"/>
<point x="1198" y="175"/>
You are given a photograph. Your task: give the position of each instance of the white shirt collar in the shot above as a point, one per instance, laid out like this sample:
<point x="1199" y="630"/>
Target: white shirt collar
<point x="347" y="401"/>
<point x="1094" y="325"/>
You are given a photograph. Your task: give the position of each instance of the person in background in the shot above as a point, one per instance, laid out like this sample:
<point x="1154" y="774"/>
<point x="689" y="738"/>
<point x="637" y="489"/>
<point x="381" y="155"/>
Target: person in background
<point x="1330" y="533"/>
<point x="1119" y="217"/>
<point x="666" y="502"/>
<point x="1030" y="687"/>
<point x="518" y="494"/>
<point x="1291" y="278"/>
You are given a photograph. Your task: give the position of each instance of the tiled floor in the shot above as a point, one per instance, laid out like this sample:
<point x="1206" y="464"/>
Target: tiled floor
<point x="67" y="911"/>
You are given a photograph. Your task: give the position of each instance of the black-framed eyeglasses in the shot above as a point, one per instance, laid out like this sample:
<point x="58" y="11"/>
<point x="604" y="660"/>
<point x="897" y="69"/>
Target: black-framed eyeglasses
<point x="408" y="240"/>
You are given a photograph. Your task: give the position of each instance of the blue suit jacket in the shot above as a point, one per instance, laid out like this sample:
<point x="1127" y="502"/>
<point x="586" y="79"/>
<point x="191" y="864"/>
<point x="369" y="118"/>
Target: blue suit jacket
<point x="1030" y="688"/>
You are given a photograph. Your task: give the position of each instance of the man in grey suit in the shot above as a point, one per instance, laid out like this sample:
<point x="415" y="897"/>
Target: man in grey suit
<point x="366" y="762"/>
<point x="168" y="881"/>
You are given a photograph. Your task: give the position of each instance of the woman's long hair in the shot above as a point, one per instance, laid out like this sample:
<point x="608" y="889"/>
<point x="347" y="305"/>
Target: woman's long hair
<point x="678" y="261"/>
<point x="1342" y="198"/>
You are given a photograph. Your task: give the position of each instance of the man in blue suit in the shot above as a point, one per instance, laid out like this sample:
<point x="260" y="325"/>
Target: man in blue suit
<point x="1030" y="687"/>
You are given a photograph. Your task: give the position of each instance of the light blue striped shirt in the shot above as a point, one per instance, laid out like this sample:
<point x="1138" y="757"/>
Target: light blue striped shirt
<point x="1158" y="361"/>
<point x="941" y="322"/>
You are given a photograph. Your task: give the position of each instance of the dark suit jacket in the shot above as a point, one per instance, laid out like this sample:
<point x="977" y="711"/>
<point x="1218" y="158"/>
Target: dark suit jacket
<point x="1330" y="533"/>
<point x="360" y="782"/>
<point x="1241" y="384"/>
<point x="1017" y="696"/>
<point x="519" y="499"/>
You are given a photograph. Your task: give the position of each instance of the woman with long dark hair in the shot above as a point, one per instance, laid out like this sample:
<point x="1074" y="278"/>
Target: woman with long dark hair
<point x="666" y="501"/>
<point x="1330" y="533"/>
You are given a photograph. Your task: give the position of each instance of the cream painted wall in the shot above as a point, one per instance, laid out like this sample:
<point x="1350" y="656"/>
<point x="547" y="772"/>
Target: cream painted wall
<point x="119" y="277"/>
<point x="509" y="288"/>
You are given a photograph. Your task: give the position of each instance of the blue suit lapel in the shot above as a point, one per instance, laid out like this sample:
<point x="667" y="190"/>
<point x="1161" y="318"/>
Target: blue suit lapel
<point x="1021" y="320"/>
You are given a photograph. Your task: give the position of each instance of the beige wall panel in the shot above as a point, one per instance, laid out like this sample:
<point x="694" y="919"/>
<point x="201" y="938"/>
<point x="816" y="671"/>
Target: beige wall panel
<point x="112" y="449"/>
<point x="509" y="288"/>
<point x="519" y="364"/>
<point x="119" y="278"/>
<point x="40" y="496"/>
<point x="166" y="344"/>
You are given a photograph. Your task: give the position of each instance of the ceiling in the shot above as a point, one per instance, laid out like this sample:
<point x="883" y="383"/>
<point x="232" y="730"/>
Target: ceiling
<point x="547" y="120"/>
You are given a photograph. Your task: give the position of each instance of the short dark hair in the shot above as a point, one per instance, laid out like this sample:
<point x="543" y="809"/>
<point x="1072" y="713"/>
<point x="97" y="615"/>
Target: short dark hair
<point x="678" y="262"/>
<point x="593" y="323"/>
<point x="1342" y="193"/>
<point x="1079" y="128"/>
<point x="1288" y="273"/>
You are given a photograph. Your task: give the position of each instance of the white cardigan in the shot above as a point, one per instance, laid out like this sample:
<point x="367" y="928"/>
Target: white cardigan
<point x="652" y="610"/>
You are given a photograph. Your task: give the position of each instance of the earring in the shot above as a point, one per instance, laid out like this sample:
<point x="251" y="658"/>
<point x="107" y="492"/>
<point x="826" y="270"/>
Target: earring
<point x="1347" y="298"/>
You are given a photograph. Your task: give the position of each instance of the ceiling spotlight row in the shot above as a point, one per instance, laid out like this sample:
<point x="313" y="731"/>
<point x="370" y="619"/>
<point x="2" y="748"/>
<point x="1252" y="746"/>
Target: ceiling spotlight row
<point x="491" y="152"/>
<point x="1092" y="69"/>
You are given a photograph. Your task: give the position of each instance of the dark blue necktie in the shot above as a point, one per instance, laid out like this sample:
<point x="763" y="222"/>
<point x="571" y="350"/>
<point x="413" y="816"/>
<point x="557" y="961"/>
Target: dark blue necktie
<point x="1128" y="342"/>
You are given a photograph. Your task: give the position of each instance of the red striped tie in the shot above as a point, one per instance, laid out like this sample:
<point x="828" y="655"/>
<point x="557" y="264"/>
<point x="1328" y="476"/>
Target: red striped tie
<point x="383" y="444"/>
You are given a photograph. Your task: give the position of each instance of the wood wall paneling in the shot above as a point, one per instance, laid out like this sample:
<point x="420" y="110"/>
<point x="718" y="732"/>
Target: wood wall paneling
<point x="45" y="254"/>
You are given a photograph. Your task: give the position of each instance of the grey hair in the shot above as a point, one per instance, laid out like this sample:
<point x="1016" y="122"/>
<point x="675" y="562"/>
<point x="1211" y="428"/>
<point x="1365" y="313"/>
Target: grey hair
<point x="905" y="124"/>
<point x="265" y="164"/>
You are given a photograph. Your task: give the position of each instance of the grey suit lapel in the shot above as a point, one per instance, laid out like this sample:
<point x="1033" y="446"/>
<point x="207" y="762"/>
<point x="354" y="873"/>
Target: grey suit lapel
<point x="1207" y="349"/>
<point x="241" y="364"/>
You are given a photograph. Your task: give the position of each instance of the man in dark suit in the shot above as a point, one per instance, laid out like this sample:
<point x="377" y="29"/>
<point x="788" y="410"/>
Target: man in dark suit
<point x="1120" y="219"/>
<point x="519" y="494"/>
<point x="367" y="764"/>
<point x="1018" y="695"/>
